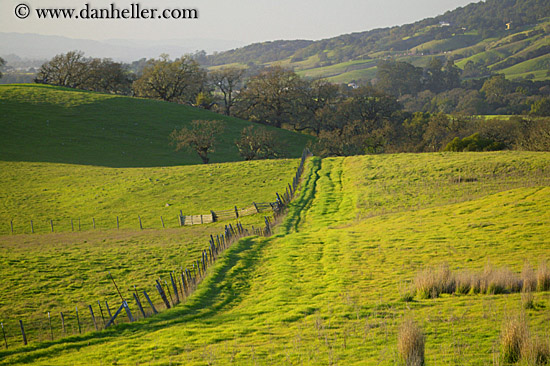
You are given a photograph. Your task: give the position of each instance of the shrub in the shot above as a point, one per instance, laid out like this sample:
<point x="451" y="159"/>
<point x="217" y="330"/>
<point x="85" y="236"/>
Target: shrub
<point x="499" y="281"/>
<point x="259" y="143"/>
<point x="528" y="278"/>
<point x="474" y="142"/>
<point x="410" y="344"/>
<point x="536" y="352"/>
<point x="512" y="339"/>
<point x="464" y="281"/>
<point x="432" y="282"/>
<point x="527" y="300"/>
<point x="543" y="277"/>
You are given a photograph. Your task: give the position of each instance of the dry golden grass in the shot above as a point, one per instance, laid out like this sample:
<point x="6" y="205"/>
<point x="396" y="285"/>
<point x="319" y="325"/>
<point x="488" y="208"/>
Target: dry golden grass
<point x="513" y="338"/>
<point x="529" y="278"/>
<point x="499" y="281"/>
<point x="432" y="282"/>
<point x="543" y="277"/>
<point x="410" y="343"/>
<point x="536" y="352"/>
<point x="527" y="300"/>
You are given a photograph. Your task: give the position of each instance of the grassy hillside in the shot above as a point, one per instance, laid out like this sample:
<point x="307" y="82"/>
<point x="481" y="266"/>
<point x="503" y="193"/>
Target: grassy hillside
<point x="496" y="34"/>
<point x="328" y="288"/>
<point x="61" y="192"/>
<point x="50" y="124"/>
<point x="69" y="269"/>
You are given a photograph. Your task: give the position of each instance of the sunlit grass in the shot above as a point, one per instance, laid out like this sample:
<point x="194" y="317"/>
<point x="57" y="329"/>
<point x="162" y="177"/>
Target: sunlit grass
<point x="326" y="289"/>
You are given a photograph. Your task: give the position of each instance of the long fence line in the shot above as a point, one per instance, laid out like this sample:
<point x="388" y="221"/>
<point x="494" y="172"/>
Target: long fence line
<point x="138" y="222"/>
<point x="168" y="292"/>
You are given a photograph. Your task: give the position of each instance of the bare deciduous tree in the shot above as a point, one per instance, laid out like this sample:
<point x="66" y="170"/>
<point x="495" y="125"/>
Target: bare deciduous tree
<point x="201" y="138"/>
<point x="227" y="80"/>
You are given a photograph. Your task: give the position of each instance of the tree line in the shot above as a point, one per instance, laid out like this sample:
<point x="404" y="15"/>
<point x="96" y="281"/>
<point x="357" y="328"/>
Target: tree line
<point x="407" y="109"/>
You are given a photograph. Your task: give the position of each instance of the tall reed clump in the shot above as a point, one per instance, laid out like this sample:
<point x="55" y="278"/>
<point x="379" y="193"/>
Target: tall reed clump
<point x="518" y="345"/>
<point x="543" y="277"/>
<point x="536" y="352"/>
<point x="431" y="282"/>
<point x="499" y="281"/>
<point x="513" y="338"/>
<point x="528" y="278"/>
<point x="410" y="344"/>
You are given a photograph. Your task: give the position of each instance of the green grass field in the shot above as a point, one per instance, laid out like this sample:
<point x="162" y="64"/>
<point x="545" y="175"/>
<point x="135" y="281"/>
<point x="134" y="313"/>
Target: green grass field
<point x="71" y="268"/>
<point x="51" y="124"/>
<point x="328" y="287"/>
<point x="61" y="192"/>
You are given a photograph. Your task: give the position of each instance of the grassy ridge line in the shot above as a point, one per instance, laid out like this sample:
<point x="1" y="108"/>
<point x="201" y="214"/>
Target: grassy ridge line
<point x="51" y="124"/>
<point x="331" y="293"/>
<point x="44" y="191"/>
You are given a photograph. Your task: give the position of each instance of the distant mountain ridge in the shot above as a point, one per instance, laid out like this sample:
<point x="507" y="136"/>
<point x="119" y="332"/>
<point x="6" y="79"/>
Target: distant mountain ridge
<point x="36" y="46"/>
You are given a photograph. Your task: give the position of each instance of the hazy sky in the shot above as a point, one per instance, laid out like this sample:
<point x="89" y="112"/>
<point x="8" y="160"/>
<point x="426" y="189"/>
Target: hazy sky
<point x="241" y="20"/>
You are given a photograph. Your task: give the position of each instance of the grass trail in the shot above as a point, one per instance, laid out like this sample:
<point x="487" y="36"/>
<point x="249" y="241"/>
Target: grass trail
<point x="327" y="288"/>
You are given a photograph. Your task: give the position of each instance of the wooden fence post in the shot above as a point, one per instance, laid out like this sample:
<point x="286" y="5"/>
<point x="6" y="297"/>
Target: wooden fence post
<point x="117" y="223"/>
<point x="78" y="320"/>
<point x="256" y="207"/>
<point x="11" y="224"/>
<point x="4" y="334"/>
<point x="140" y="226"/>
<point x="128" y="312"/>
<point x="72" y="225"/>
<point x="93" y="317"/>
<point x="50" y="321"/>
<point x="214" y="218"/>
<point x="162" y="294"/>
<point x="101" y="311"/>
<point x="162" y="221"/>
<point x="78" y="224"/>
<point x="175" y="288"/>
<point x="93" y="222"/>
<point x="150" y="302"/>
<point x="139" y="305"/>
<point x="184" y="290"/>
<point x="63" y="323"/>
<point x="279" y="198"/>
<point x="32" y="227"/>
<point x="23" y="332"/>
<point x="169" y="293"/>
<point x="180" y="220"/>
<point x="108" y="311"/>
<point x="51" y="225"/>
<point x="112" y="320"/>
<point x="236" y="212"/>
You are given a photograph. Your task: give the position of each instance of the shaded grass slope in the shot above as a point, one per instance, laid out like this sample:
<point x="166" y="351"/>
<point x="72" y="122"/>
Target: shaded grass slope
<point x="43" y="123"/>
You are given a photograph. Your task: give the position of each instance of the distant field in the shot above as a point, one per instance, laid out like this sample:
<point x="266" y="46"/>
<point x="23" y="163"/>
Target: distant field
<point x="50" y="124"/>
<point x="61" y="192"/>
<point x="538" y="67"/>
<point x="328" y="287"/>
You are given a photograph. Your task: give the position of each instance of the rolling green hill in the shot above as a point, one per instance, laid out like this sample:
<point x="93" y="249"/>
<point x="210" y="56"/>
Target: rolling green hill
<point x="497" y="34"/>
<point x="329" y="287"/>
<point x="51" y="124"/>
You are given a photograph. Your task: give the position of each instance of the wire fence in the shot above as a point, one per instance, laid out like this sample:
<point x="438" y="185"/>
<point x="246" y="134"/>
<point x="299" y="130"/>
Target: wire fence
<point x="165" y="294"/>
<point x="67" y="224"/>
